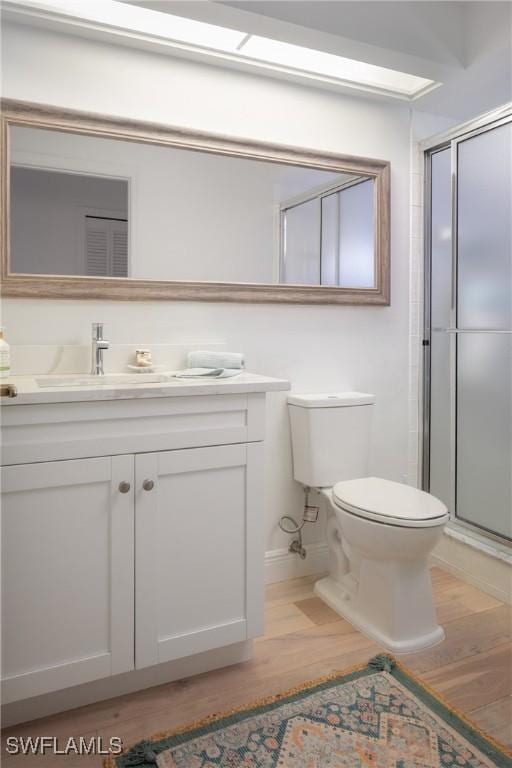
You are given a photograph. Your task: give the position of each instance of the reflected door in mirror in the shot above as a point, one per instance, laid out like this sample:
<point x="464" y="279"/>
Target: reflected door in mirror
<point x="65" y="223"/>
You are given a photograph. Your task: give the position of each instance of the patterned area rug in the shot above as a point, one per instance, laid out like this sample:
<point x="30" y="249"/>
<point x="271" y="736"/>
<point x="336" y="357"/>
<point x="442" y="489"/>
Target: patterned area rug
<point x="376" y="716"/>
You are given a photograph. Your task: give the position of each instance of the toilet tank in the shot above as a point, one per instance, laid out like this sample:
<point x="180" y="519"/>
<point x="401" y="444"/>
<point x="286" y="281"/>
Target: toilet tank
<point x="330" y="436"/>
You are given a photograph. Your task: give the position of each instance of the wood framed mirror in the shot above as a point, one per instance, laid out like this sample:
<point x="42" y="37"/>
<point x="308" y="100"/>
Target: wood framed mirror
<point x="105" y="208"/>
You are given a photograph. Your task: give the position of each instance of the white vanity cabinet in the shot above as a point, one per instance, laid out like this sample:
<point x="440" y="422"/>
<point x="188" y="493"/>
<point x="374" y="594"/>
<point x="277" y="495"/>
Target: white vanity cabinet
<point x="145" y="547"/>
<point x="199" y="555"/>
<point x="67" y="574"/>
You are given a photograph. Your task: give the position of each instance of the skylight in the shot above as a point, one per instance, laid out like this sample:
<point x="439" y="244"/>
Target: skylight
<point x="334" y="67"/>
<point x="229" y="44"/>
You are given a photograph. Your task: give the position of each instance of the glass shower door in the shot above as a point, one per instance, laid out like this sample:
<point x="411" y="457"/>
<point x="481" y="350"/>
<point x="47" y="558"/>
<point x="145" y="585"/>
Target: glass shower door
<point x="484" y="324"/>
<point x="442" y="344"/>
<point x="468" y="456"/>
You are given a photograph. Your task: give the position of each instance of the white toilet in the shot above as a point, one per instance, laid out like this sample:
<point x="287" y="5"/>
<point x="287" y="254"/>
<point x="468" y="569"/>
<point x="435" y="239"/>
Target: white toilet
<point x="380" y="533"/>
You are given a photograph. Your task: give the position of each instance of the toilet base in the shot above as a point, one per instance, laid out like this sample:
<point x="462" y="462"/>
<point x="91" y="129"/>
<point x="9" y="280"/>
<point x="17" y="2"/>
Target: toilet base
<point x="346" y="604"/>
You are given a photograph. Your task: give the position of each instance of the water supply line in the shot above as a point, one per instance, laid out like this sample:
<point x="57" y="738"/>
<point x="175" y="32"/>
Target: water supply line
<point x="289" y="525"/>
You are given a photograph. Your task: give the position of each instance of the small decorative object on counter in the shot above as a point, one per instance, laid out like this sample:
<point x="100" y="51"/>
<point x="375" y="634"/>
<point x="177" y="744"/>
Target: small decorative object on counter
<point x="5" y="356"/>
<point x="143" y="358"/>
<point x="8" y="390"/>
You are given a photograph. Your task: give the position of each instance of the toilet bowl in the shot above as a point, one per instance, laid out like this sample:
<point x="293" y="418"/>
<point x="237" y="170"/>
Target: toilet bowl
<point x="380" y="536"/>
<point x="380" y="532"/>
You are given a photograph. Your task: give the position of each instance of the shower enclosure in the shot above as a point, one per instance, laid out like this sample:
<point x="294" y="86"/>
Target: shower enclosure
<point x="467" y="456"/>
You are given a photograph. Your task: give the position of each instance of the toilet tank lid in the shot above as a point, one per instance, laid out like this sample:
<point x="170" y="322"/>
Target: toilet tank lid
<point x="330" y="399"/>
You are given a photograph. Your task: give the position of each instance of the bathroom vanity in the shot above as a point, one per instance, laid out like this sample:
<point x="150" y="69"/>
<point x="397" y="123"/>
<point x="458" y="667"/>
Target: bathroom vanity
<point x="133" y="511"/>
<point x="132" y="533"/>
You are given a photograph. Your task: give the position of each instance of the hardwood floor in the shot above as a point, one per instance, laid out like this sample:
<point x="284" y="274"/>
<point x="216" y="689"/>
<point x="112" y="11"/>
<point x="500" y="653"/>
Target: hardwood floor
<point x="305" y="639"/>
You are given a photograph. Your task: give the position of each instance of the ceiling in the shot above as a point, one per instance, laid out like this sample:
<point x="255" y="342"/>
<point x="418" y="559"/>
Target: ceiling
<point x="427" y="29"/>
<point x="465" y="45"/>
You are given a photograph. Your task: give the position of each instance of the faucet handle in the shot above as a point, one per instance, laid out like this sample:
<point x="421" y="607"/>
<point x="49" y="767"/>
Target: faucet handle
<point x="97" y="331"/>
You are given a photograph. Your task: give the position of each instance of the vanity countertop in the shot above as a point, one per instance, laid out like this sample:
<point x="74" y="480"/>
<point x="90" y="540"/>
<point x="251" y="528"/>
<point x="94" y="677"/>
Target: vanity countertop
<point x="30" y="392"/>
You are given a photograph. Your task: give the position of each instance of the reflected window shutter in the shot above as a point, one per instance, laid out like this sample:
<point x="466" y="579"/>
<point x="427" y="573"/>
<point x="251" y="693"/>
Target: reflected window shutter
<point x="96" y="247"/>
<point x="119" y="262"/>
<point x="106" y="247"/>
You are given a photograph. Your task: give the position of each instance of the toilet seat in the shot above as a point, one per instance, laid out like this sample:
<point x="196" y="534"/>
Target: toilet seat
<point x="390" y="503"/>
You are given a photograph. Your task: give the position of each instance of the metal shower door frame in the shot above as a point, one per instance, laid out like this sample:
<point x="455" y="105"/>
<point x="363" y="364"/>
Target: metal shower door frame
<point x="450" y="140"/>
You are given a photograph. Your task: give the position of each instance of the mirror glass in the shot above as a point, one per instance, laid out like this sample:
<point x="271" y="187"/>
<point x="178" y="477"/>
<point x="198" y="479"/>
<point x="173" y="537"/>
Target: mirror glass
<point x="86" y="205"/>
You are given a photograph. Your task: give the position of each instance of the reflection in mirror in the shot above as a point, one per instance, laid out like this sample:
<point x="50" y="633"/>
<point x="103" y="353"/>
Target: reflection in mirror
<point x="69" y="224"/>
<point x="328" y="238"/>
<point x="86" y="205"/>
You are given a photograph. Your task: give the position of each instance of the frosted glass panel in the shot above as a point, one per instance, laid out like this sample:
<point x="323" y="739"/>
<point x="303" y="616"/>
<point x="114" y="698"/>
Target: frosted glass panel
<point x="329" y="239"/>
<point x="357" y="269"/>
<point x="302" y="243"/>
<point x="442" y="474"/>
<point x="330" y="233"/>
<point x="441" y="448"/>
<point x="485" y="230"/>
<point x="441" y="239"/>
<point x="484" y="431"/>
<point x="471" y="344"/>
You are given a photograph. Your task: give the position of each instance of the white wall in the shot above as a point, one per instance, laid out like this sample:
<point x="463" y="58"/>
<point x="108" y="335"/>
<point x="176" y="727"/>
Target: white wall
<point x="316" y="347"/>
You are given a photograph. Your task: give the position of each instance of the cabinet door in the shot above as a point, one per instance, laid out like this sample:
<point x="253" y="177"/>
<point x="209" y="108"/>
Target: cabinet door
<point x="199" y="554"/>
<point x="67" y="574"/>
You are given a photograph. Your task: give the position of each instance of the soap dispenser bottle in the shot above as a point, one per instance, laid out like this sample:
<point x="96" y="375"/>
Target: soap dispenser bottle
<point x="5" y="356"/>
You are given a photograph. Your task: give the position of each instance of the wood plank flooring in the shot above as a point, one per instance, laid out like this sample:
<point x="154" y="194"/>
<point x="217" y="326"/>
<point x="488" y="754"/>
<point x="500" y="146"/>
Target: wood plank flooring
<point x="305" y="639"/>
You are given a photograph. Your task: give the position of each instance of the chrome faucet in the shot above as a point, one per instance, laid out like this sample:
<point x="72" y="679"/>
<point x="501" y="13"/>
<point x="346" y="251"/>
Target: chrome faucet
<point x="99" y="344"/>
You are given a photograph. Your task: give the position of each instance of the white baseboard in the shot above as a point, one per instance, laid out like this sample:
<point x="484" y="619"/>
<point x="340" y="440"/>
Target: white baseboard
<point x="493" y="589"/>
<point x="475" y="561"/>
<point x="280" y="564"/>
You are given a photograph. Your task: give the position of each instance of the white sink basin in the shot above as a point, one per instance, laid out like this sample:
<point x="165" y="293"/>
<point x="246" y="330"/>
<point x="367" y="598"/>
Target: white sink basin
<point x="109" y="379"/>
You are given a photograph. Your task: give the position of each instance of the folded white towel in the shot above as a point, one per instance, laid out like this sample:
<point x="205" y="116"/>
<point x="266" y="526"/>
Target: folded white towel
<point x="207" y="373"/>
<point x="205" y="359"/>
